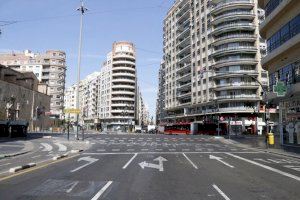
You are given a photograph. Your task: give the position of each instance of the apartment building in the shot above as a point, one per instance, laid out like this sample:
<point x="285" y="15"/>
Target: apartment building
<point x="117" y="92"/>
<point x="212" y="53"/>
<point x="281" y="29"/>
<point x="49" y="68"/>
<point x="88" y="100"/>
<point x="160" y="101"/>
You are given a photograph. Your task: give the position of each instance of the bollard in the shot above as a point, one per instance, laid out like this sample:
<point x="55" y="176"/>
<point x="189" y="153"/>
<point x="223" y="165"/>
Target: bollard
<point x="270" y="138"/>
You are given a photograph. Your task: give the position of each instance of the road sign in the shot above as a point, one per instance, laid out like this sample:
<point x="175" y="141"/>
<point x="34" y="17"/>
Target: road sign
<point x="72" y="110"/>
<point x="280" y="89"/>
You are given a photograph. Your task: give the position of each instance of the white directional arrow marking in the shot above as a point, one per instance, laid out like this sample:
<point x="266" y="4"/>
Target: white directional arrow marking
<point x="48" y="147"/>
<point x="220" y="160"/>
<point x="61" y="147"/>
<point x="158" y="166"/>
<point x="88" y="159"/>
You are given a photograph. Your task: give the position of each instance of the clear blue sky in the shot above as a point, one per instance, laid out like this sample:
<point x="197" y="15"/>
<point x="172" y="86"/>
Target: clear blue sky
<point x="54" y="24"/>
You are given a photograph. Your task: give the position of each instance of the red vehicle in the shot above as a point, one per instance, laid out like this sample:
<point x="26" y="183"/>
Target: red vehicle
<point x="180" y="128"/>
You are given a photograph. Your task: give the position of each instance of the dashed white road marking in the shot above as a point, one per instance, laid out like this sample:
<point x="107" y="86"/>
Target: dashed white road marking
<point x="97" y="196"/>
<point x="221" y="192"/>
<point x="47" y="147"/>
<point x="266" y="167"/>
<point x="61" y="147"/>
<point x="185" y="149"/>
<point x="130" y="149"/>
<point x="36" y="156"/>
<point x="129" y="161"/>
<point x="101" y="150"/>
<point x="172" y="149"/>
<point x="144" y="149"/>
<point x="195" y="166"/>
<point x="115" y="149"/>
<point x="158" y="149"/>
<point x="4" y="164"/>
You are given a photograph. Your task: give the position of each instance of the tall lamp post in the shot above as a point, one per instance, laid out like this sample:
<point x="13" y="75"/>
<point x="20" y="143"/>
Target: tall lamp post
<point x="82" y="10"/>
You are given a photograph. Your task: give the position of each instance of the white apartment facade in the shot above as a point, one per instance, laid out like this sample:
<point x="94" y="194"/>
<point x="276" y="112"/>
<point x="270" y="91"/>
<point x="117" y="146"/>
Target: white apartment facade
<point x="49" y="68"/>
<point x="88" y="100"/>
<point x="117" y="92"/>
<point x="212" y="53"/>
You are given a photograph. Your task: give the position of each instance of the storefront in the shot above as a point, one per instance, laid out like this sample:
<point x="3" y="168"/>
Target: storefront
<point x="290" y="121"/>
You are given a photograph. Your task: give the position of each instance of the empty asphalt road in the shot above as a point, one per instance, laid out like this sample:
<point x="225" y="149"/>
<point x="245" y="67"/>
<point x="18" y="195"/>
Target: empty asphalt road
<point x="153" y="167"/>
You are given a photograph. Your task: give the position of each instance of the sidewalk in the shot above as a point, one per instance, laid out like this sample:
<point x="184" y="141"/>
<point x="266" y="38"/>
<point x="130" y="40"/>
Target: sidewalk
<point x="259" y="143"/>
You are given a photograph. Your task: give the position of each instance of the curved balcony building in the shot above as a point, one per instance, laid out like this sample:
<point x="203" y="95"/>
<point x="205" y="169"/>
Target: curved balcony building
<point x="118" y="87"/>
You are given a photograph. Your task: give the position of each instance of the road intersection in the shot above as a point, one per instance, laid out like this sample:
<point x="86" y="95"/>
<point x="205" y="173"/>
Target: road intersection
<point x="160" y="167"/>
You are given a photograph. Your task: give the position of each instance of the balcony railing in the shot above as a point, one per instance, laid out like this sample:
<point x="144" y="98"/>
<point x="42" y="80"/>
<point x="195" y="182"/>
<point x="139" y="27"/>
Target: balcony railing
<point x="229" y="2"/>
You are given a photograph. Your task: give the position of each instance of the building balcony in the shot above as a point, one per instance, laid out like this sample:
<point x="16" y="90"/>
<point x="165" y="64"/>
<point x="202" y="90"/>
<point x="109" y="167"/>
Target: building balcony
<point x="122" y="111"/>
<point x="233" y="16"/>
<point x="123" y="86"/>
<point x="182" y="87"/>
<point x="234" y="38"/>
<point x="226" y="5"/>
<point x="183" y="33"/>
<point x="123" y="68"/>
<point x="184" y="59"/>
<point x="234" y="61"/>
<point x="123" y="55"/>
<point x="229" y="74"/>
<point x="123" y="92"/>
<point x="122" y="62"/>
<point x="232" y="50"/>
<point x="185" y="50"/>
<point x="123" y="74"/>
<point x="185" y="13"/>
<point x="184" y="42"/>
<point x="122" y="80"/>
<point x="184" y="68"/>
<point x="185" y="95"/>
<point x="123" y="98"/>
<point x="240" y="97"/>
<point x="231" y="86"/>
<point x="184" y="78"/>
<point x="233" y="27"/>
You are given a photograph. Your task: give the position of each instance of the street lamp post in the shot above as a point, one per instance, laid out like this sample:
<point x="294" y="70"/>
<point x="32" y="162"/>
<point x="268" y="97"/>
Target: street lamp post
<point x="82" y="10"/>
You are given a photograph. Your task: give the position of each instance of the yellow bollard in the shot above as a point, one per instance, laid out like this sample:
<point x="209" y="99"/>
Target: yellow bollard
<point x="271" y="138"/>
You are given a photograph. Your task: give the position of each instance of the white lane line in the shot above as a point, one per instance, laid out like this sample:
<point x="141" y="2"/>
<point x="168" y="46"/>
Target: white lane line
<point x="36" y="156"/>
<point x="72" y="187"/>
<point x="97" y="196"/>
<point x="61" y="147"/>
<point x="101" y="150"/>
<point x="129" y="161"/>
<point x="266" y="167"/>
<point x="47" y="147"/>
<point x="144" y="149"/>
<point x="195" y="166"/>
<point x="221" y="192"/>
<point x="165" y="152"/>
<point x="158" y="149"/>
<point x="5" y="164"/>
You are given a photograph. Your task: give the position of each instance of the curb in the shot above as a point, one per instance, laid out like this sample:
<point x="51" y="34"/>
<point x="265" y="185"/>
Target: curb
<point x="76" y="151"/>
<point x="13" y="155"/>
<point x="19" y="168"/>
<point x="60" y="156"/>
